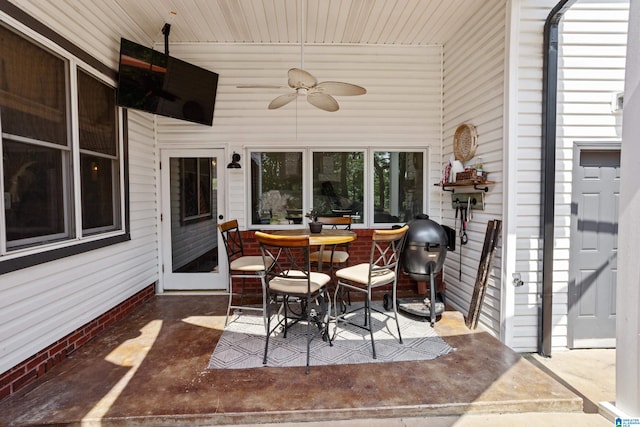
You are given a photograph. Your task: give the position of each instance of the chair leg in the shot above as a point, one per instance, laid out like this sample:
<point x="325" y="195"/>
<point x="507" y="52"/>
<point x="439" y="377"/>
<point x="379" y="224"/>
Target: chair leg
<point x="264" y="303"/>
<point x="325" y="305"/>
<point x="309" y="336"/>
<point x="368" y="318"/>
<point x="395" y="313"/>
<point x="230" y="300"/>
<point x="336" y="316"/>
<point x="266" y="341"/>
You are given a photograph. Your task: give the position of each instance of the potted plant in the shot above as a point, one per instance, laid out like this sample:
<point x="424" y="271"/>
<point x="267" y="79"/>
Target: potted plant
<point x="314" y="225"/>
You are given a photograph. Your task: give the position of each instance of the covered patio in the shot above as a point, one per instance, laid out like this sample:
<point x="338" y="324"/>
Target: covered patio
<point x="151" y="369"/>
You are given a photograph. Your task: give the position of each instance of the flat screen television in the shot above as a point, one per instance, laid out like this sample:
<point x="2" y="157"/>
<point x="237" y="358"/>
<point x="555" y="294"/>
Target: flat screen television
<point x="151" y="81"/>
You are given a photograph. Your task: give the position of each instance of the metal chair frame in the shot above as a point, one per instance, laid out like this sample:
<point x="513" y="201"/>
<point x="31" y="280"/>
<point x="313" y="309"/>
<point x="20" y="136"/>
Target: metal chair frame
<point x="382" y="270"/>
<point x="288" y="278"/>
<point x="337" y="251"/>
<point x="243" y="267"/>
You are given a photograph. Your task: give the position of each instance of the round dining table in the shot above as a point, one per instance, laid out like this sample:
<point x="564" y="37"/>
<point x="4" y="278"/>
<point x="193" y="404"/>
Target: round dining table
<point x="328" y="236"/>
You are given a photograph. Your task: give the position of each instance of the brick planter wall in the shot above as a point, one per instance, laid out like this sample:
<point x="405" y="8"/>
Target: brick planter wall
<point x="37" y="365"/>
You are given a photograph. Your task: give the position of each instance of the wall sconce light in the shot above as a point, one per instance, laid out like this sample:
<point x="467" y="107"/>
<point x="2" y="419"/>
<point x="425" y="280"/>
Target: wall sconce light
<point x="235" y="159"/>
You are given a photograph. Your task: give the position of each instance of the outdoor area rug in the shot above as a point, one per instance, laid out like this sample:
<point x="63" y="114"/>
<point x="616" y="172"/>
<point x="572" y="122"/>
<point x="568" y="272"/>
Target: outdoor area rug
<point x="241" y="345"/>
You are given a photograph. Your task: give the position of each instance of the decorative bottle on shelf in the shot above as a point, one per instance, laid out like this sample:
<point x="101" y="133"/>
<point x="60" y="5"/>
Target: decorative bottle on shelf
<point x="478" y="167"/>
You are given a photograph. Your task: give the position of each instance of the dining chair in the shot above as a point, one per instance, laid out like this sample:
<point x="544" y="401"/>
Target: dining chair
<point x="364" y="278"/>
<point x="289" y="280"/>
<point x="338" y="256"/>
<point x="243" y="267"/>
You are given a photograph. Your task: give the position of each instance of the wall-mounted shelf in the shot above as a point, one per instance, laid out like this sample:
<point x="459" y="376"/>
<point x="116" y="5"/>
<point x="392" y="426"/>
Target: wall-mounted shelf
<point x="477" y="185"/>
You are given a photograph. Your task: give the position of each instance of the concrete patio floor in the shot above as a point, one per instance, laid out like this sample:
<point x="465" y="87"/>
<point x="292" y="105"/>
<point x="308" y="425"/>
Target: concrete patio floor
<point x="151" y="369"/>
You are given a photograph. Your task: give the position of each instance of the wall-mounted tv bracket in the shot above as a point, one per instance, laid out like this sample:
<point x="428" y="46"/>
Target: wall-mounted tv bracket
<point x="166" y="29"/>
<point x="475" y="200"/>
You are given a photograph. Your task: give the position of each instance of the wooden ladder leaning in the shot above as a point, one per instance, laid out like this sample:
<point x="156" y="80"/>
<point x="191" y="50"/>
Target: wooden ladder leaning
<point x="484" y="268"/>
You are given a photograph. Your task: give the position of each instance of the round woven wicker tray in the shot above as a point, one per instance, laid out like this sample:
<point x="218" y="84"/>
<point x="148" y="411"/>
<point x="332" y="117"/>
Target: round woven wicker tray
<point x="465" y="142"/>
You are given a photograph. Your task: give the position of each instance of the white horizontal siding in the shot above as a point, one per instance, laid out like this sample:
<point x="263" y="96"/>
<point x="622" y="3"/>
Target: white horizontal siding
<point x="474" y="93"/>
<point x="41" y="304"/>
<point x="402" y="106"/>
<point x="591" y="67"/>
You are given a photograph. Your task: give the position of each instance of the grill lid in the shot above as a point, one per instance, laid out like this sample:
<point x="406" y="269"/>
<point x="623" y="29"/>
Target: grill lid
<point x="425" y="248"/>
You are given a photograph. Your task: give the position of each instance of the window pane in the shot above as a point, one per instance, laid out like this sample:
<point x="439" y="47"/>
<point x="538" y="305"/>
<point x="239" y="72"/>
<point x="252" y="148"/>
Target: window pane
<point x="398" y="186"/>
<point x="196" y="188"/>
<point x="189" y="187"/>
<point x="204" y="193"/>
<point x="32" y="90"/>
<point x="97" y="180"/>
<point x="276" y="187"/>
<point x="99" y="166"/>
<point x="97" y="115"/>
<point x="35" y="202"/>
<point x="338" y="184"/>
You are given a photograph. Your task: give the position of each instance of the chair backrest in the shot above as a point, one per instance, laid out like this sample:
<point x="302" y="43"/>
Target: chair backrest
<point x="232" y="239"/>
<point x="288" y="256"/>
<point x="386" y="249"/>
<point x="343" y="222"/>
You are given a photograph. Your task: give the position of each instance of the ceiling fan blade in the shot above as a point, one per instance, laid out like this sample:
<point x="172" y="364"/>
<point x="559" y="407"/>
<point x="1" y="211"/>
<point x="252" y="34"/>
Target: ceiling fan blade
<point x="323" y="101"/>
<point x="301" y="79"/>
<point x="282" y="100"/>
<point x="260" y="87"/>
<point x="340" y="88"/>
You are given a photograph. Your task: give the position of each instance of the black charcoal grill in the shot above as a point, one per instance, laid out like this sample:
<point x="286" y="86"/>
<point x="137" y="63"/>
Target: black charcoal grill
<point x="423" y="255"/>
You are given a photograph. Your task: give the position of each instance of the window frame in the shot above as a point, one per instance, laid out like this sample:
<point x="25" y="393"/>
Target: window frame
<point x="305" y="183"/>
<point x="368" y="174"/>
<point x="363" y="218"/>
<point x="77" y="60"/>
<point x="371" y="179"/>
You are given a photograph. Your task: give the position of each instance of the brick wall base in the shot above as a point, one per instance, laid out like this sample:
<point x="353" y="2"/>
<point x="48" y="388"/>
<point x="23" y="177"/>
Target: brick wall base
<point x="40" y="363"/>
<point x="359" y="252"/>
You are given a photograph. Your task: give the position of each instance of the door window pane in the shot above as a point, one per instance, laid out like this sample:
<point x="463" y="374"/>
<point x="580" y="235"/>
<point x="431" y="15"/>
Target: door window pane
<point x="338" y="184"/>
<point x="193" y="195"/>
<point x="398" y="181"/>
<point x="276" y="187"/>
<point x="196" y="186"/>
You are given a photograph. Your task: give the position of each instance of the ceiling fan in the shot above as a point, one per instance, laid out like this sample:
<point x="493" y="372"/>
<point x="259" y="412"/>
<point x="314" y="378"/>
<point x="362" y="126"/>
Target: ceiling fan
<point x="320" y="95"/>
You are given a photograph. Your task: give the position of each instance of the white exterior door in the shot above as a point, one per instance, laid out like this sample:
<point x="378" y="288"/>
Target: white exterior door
<point x="192" y="191"/>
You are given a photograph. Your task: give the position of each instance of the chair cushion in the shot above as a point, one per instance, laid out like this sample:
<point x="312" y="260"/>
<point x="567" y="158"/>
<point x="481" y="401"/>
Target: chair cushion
<point x="291" y="285"/>
<point x="360" y="274"/>
<point x="247" y="263"/>
<point x="338" y="256"/>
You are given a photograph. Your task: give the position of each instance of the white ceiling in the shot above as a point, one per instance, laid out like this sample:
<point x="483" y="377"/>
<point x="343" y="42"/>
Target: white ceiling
<point x="389" y="22"/>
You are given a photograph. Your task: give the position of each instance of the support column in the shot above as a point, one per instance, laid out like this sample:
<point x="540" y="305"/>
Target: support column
<point x="628" y="287"/>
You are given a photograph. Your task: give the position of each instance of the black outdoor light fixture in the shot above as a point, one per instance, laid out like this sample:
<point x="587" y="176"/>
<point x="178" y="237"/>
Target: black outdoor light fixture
<point x="235" y="159"/>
